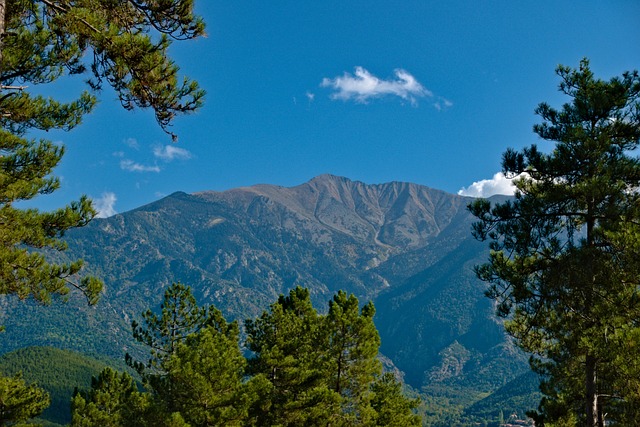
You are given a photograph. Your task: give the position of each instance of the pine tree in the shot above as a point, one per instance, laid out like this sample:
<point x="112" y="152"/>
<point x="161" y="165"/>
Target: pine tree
<point x="562" y="266"/>
<point x="180" y="317"/>
<point x="350" y="360"/>
<point x="119" y="43"/>
<point x="206" y="373"/>
<point x="322" y="370"/>
<point x="19" y="401"/>
<point x="115" y="401"/>
<point x="109" y="403"/>
<point x="288" y="349"/>
<point x="392" y="407"/>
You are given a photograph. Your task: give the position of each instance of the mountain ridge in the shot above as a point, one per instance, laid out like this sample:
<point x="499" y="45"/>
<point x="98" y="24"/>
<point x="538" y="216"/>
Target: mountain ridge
<point x="405" y="246"/>
<point x="379" y="206"/>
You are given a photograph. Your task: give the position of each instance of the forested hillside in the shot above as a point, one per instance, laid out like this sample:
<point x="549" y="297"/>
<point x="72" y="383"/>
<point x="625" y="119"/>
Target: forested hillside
<point x="58" y="372"/>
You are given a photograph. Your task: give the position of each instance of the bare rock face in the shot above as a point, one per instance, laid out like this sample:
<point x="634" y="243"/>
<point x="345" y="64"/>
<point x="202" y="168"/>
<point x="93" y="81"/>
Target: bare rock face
<point x="405" y="246"/>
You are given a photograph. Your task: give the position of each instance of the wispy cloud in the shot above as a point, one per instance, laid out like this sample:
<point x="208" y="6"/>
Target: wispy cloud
<point x="442" y="104"/>
<point x="362" y="86"/>
<point x="310" y="96"/>
<point x="131" y="166"/>
<point x="132" y="143"/>
<point x="105" y="205"/>
<point x="171" y="152"/>
<point x="499" y="184"/>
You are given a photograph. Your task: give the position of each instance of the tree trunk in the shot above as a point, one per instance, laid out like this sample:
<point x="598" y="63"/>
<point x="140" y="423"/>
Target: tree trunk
<point x="591" y="392"/>
<point x="591" y="379"/>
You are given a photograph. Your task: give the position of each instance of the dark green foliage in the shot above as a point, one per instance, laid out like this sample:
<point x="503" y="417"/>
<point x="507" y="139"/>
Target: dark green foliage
<point x="322" y="368"/>
<point x="308" y="370"/>
<point x="180" y="316"/>
<point x="123" y="44"/>
<point x="25" y="167"/>
<point x="206" y="375"/>
<point x="180" y="319"/>
<point x="350" y="361"/>
<point x="20" y="401"/>
<point x="128" y="42"/>
<point x="196" y="368"/>
<point x="285" y="340"/>
<point x="563" y="266"/>
<point x="391" y="406"/>
<point x="113" y="401"/>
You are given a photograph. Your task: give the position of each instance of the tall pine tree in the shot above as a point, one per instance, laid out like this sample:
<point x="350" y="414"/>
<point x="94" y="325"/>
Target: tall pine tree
<point x="562" y="266"/>
<point x="288" y="345"/>
<point x="122" y="44"/>
<point x="350" y="359"/>
<point x="180" y="318"/>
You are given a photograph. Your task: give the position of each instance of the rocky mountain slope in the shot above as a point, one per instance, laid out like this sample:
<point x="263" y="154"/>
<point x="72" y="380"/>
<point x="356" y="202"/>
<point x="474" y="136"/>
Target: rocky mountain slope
<point x="405" y="246"/>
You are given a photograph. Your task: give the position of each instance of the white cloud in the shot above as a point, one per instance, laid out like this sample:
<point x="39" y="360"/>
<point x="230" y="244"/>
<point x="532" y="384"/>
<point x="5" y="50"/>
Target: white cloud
<point x="363" y="85"/>
<point x="132" y="143"/>
<point x="131" y="166"/>
<point x="171" y="152"/>
<point x="499" y="184"/>
<point x="105" y="205"/>
<point x="310" y="96"/>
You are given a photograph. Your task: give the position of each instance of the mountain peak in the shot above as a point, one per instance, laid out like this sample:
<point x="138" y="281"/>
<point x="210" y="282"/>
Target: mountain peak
<point x="392" y="216"/>
<point x="330" y="178"/>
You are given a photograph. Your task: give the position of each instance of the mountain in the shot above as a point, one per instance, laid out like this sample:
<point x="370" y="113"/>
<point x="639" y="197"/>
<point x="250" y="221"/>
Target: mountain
<point x="407" y="247"/>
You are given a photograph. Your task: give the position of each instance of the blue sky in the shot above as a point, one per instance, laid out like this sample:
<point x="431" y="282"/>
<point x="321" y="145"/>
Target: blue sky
<point x="420" y="91"/>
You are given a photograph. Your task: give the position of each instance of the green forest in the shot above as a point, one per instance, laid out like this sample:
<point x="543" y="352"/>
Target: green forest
<point x="563" y="263"/>
<point x="304" y="369"/>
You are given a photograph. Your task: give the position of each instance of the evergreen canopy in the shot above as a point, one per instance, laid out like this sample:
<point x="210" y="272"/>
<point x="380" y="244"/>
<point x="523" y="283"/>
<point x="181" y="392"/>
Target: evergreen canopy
<point x="564" y="266"/>
<point x="121" y="43"/>
<point x="308" y="370"/>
